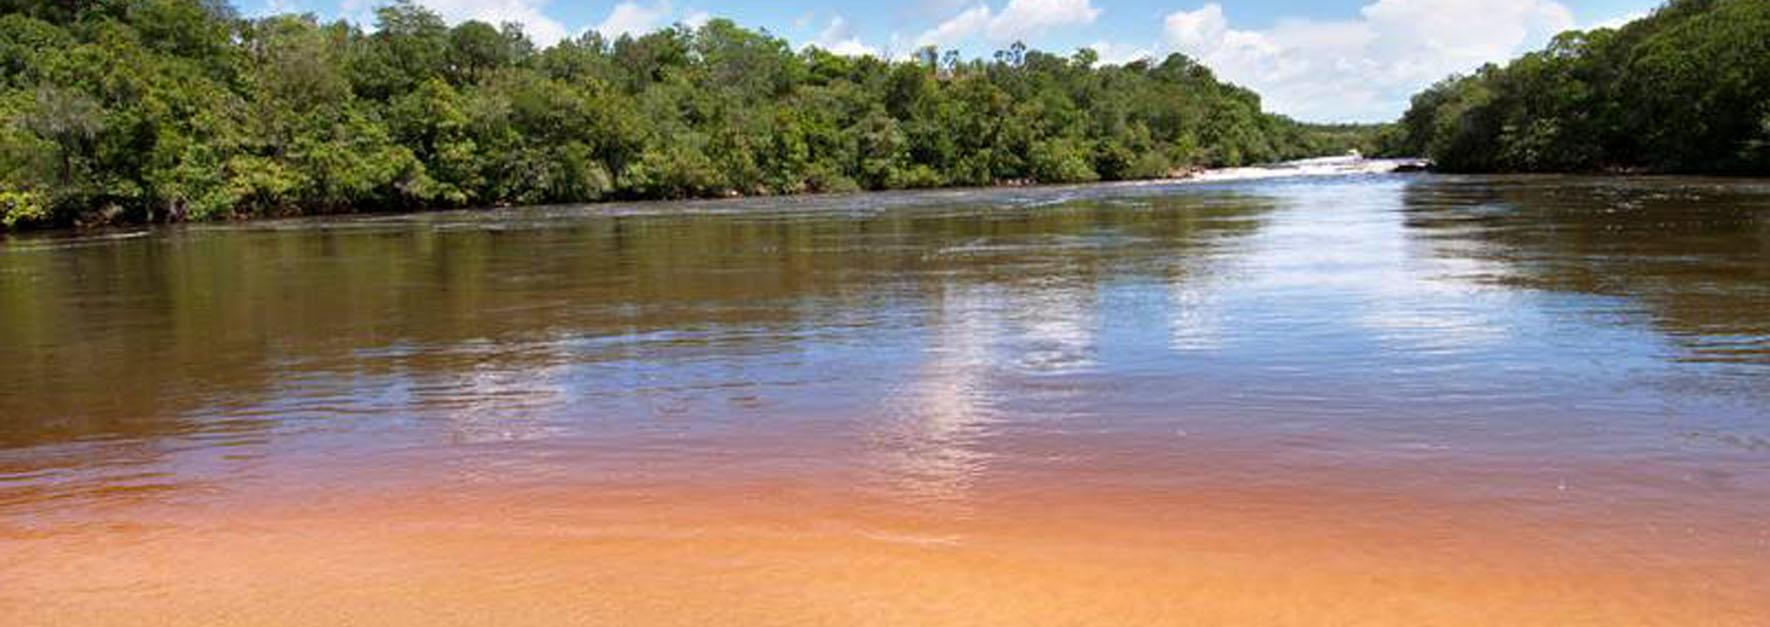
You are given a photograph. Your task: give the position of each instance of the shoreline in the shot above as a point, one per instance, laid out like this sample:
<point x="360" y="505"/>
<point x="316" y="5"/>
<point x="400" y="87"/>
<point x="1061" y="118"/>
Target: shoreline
<point x="1315" y="166"/>
<point x="1203" y="176"/>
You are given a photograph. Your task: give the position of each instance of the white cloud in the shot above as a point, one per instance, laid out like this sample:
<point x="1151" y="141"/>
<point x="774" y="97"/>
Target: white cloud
<point x="1365" y="68"/>
<point x="1018" y="20"/>
<point x="697" y="19"/>
<point x="958" y="28"/>
<point x="1022" y="18"/>
<point x="529" y="13"/>
<point x="838" y="37"/>
<point x="632" y="18"/>
<point x="1615" y="22"/>
<point x="1120" y="54"/>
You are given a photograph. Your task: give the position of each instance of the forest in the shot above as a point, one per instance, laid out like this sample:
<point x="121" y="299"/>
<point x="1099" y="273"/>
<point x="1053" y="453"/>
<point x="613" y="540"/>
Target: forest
<point x="170" y="110"/>
<point x="1683" y="90"/>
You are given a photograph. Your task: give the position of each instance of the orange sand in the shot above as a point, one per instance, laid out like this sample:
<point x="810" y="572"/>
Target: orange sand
<point x="812" y="555"/>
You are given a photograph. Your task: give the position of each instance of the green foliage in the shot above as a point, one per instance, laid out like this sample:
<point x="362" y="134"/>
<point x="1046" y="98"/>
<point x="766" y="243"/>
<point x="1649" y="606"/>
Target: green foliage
<point x="21" y="206"/>
<point x="1061" y="159"/>
<point x="1682" y="90"/>
<point x="181" y="109"/>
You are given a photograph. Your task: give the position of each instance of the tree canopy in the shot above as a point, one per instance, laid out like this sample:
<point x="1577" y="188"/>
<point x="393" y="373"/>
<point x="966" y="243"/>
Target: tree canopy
<point x="149" y="110"/>
<point x="1686" y="89"/>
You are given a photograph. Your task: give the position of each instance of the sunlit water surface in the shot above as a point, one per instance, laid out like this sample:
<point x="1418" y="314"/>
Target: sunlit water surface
<point x="1355" y="400"/>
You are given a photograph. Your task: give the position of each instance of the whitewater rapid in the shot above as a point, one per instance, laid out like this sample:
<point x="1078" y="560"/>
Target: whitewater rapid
<point x="1321" y="166"/>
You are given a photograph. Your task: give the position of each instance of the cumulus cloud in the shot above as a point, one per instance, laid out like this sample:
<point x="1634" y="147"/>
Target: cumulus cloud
<point x="529" y="13"/>
<point x="1615" y="22"/>
<point x="1364" y="68"/>
<point x="1030" y="17"/>
<point x="957" y="28"/>
<point x="838" y="37"/>
<point x="1018" y="20"/>
<point x="1120" y="54"/>
<point x="697" y="19"/>
<point x="633" y="18"/>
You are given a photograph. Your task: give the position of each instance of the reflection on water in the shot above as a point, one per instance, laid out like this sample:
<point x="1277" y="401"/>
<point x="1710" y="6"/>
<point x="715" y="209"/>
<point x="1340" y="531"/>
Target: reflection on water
<point x="511" y="327"/>
<point x="1483" y="374"/>
<point x="929" y="445"/>
<point x="1692" y="255"/>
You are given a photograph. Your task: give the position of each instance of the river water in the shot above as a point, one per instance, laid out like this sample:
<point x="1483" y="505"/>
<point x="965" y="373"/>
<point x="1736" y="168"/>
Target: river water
<point x="1370" y="399"/>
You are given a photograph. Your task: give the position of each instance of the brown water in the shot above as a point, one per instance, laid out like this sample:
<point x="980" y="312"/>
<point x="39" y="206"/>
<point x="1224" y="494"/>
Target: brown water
<point x="1374" y="400"/>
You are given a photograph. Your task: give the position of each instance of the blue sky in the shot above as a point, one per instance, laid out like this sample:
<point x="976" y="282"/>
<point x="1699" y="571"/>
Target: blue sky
<point x="1323" y="60"/>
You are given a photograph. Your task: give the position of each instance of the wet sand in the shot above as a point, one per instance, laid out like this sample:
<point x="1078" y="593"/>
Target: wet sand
<point x="1336" y="548"/>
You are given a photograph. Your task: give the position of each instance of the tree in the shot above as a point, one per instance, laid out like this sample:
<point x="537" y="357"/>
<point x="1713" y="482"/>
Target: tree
<point x="70" y="120"/>
<point x="1681" y="90"/>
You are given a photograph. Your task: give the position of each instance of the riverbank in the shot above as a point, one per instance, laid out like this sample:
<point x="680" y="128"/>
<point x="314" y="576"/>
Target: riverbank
<point x="1315" y="167"/>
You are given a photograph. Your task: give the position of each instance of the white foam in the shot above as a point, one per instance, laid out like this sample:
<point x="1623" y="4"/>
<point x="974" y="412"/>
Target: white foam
<point x="1320" y="166"/>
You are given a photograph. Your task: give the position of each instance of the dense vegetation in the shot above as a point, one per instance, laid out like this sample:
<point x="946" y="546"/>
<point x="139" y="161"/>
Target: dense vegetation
<point x="137" y="110"/>
<point x="1686" y="89"/>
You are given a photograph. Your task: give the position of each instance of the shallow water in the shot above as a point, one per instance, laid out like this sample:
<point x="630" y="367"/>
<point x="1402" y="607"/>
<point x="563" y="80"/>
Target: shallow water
<point x="1359" y="400"/>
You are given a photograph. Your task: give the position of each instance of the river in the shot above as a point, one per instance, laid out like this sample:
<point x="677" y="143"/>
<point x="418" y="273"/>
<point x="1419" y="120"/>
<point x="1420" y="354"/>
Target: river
<point x="1355" y="399"/>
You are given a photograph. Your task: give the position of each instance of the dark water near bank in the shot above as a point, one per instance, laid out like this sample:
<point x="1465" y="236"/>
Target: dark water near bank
<point x="1539" y="349"/>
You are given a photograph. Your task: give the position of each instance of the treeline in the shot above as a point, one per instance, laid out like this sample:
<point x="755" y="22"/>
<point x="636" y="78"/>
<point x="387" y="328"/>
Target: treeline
<point x="1686" y="89"/>
<point x="150" y="110"/>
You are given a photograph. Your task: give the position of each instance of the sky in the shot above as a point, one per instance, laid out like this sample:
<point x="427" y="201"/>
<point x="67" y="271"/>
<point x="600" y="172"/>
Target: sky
<point x="1316" y="60"/>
